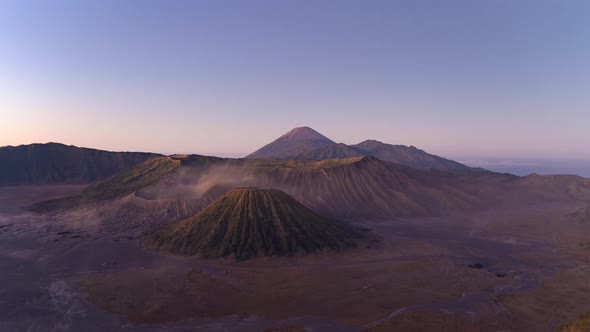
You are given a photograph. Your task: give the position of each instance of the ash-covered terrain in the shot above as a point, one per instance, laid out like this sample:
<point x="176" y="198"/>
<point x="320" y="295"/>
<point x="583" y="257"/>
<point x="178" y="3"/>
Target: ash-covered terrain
<point x="292" y="239"/>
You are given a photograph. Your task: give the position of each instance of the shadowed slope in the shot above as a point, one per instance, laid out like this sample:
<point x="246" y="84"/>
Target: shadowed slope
<point x="571" y="187"/>
<point x="124" y="183"/>
<point x="55" y="163"/>
<point x="408" y="156"/>
<point x="582" y="215"/>
<point x="371" y="188"/>
<point x="334" y="151"/>
<point x="248" y="222"/>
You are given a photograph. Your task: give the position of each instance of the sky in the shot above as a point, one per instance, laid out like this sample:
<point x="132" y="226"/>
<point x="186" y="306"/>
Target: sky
<point x="479" y="80"/>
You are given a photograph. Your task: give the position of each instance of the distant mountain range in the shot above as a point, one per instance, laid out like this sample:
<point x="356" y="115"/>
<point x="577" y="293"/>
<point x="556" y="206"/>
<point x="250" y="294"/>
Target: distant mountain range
<point x="55" y="163"/>
<point x="307" y="144"/>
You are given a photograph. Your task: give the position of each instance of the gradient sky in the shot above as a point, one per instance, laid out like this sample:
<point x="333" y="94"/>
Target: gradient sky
<point x="497" y="78"/>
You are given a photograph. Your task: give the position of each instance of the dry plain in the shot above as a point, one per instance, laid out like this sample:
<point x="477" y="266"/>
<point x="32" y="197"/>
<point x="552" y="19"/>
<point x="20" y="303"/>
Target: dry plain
<point x="87" y="269"/>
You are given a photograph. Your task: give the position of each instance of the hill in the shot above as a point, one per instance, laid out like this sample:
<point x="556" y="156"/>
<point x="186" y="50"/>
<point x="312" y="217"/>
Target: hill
<point x="249" y="222"/>
<point x="293" y="143"/>
<point x="55" y="163"/>
<point x="407" y="155"/>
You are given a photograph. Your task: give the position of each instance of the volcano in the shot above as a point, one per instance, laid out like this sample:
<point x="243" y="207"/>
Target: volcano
<point x="293" y="143"/>
<point x="248" y="222"/>
<point x="304" y="143"/>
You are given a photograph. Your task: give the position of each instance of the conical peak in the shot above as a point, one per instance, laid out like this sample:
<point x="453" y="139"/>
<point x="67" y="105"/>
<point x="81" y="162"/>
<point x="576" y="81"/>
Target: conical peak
<point x="303" y="133"/>
<point x="247" y="222"/>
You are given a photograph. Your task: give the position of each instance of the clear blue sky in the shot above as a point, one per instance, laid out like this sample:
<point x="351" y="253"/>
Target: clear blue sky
<point x="498" y="78"/>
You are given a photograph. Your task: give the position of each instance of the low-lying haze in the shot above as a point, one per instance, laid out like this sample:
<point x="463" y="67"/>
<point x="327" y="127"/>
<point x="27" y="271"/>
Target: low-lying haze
<point x="528" y="166"/>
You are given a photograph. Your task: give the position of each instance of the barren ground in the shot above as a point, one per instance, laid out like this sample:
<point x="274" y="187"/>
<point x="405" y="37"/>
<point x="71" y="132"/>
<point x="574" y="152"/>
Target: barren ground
<point x="86" y="270"/>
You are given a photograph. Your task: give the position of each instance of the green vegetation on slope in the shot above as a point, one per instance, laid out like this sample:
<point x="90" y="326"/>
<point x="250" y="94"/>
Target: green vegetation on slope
<point x="582" y="324"/>
<point x="248" y="222"/>
<point x="264" y="165"/>
<point x="119" y="185"/>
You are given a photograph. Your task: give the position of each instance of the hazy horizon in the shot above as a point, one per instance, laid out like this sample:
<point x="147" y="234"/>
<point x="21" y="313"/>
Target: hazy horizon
<point x="503" y="79"/>
<point x="516" y="166"/>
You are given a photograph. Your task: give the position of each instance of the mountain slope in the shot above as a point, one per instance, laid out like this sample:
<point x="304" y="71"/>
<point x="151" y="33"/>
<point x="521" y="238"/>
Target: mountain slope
<point x="364" y="187"/>
<point x="409" y="156"/>
<point x="55" y="163"/>
<point x="293" y="143"/>
<point x="249" y="222"/>
<point x="581" y="215"/>
<point x="334" y="151"/>
<point x="307" y="144"/>
<point x="129" y="181"/>
<point x="369" y="187"/>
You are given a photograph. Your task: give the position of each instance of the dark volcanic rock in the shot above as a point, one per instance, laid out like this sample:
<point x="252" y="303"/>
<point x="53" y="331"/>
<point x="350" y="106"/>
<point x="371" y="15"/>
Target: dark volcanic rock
<point x="54" y="163"/>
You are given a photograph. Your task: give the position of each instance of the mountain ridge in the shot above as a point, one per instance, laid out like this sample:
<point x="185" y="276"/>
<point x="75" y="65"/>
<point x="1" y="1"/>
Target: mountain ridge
<point x="306" y="143"/>
<point x="361" y="187"/>
<point x="407" y="155"/>
<point x="56" y="163"/>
